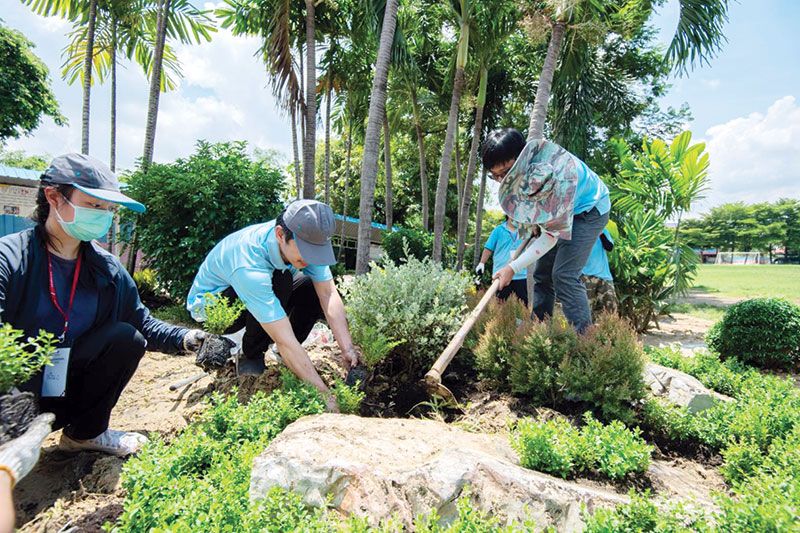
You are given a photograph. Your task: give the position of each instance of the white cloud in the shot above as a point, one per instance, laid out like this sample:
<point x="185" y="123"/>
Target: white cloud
<point x="755" y="158"/>
<point x="711" y="84"/>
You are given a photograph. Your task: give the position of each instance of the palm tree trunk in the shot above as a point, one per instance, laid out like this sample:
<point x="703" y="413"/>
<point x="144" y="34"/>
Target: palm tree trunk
<point x="459" y="175"/>
<point x="387" y="157"/>
<point x="87" y="77"/>
<point x="471" y="167"/>
<point x="113" y="155"/>
<point x="328" y="141"/>
<point x="298" y="177"/>
<point x="310" y="141"/>
<point x="539" y="113"/>
<point x="377" y="107"/>
<point x="423" y="170"/>
<point x="444" y="167"/>
<point x="155" y="83"/>
<point x="302" y="115"/>
<point x="346" y="184"/>
<point x="479" y="220"/>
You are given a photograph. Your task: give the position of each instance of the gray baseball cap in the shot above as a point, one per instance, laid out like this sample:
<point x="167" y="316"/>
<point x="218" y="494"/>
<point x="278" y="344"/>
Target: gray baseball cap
<point x="313" y="225"/>
<point x="91" y="176"/>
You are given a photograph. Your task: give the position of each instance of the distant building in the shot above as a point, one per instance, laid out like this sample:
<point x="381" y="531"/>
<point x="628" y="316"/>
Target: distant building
<point x="18" y="188"/>
<point x="347" y="237"/>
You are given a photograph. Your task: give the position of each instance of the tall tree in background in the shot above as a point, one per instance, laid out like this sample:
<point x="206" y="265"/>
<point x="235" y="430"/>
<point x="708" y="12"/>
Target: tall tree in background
<point x="25" y="92"/>
<point x="462" y="10"/>
<point x="387" y="157"/>
<point x="377" y="104"/>
<point x="177" y="19"/>
<point x="310" y="137"/>
<point x="494" y="22"/>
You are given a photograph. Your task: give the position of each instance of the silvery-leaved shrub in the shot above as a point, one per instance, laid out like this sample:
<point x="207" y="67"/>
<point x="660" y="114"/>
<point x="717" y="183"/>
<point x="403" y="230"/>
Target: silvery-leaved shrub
<point x="409" y="310"/>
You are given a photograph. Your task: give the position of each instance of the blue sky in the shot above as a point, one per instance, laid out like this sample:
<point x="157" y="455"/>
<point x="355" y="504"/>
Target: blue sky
<point x="746" y="103"/>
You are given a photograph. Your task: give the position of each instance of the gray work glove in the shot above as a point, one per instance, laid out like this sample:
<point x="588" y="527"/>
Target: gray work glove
<point x="20" y="455"/>
<point x="193" y="340"/>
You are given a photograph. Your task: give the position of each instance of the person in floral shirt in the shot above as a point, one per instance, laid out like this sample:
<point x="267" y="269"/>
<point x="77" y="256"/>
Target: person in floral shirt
<point x="555" y="196"/>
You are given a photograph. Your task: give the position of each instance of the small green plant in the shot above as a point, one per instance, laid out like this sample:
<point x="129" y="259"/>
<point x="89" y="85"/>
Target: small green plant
<point x="146" y="283"/>
<point x="348" y="398"/>
<point x="764" y="332"/>
<point x="642" y="515"/>
<point x="606" y="369"/>
<point x="742" y="458"/>
<point x="499" y="340"/>
<point x="557" y="447"/>
<point x="220" y="313"/>
<point x="374" y="344"/>
<point x="21" y="358"/>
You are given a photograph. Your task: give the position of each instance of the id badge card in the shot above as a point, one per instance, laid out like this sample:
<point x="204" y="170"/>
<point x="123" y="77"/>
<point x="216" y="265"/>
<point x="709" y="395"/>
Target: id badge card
<point x="54" y="381"/>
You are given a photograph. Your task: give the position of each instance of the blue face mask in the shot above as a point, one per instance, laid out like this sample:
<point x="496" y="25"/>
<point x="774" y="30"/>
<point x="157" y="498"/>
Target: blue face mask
<point x="88" y="224"/>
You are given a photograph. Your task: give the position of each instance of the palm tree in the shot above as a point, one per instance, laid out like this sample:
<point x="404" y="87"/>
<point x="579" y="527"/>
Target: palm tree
<point x="479" y="220"/>
<point x="83" y="13"/>
<point x="462" y="10"/>
<point x="178" y="19"/>
<point x="494" y="21"/>
<point x="377" y="104"/>
<point x="310" y="139"/>
<point x="120" y="29"/>
<point x="387" y="157"/>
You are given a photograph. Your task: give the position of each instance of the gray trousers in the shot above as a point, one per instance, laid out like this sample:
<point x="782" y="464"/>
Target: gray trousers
<point x="558" y="272"/>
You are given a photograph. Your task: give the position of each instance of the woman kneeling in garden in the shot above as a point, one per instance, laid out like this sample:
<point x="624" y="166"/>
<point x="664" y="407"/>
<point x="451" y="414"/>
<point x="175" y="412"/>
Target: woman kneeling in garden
<point x="54" y="278"/>
<point x="548" y="190"/>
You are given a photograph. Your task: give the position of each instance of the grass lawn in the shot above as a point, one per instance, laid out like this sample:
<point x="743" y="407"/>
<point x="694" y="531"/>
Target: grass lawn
<point x="750" y="281"/>
<point x="706" y="311"/>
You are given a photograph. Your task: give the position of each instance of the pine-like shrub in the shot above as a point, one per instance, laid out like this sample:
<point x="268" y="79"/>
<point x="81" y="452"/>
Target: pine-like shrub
<point x="763" y="332"/>
<point x="606" y="369"/>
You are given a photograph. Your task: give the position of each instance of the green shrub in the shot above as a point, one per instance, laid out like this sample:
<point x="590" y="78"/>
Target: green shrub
<point x="146" y="283"/>
<point x="764" y="332"/>
<point x="220" y="312"/>
<point x="374" y="344"/>
<point x="606" y="369"/>
<point x="551" y="446"/>
<point x="742" y="458"/>
<point x="499" y="340"/>
<point x="406" y="242"/>
<point x="555" y="446"/>
<point x="613" y="449"/>
<point x="726" y="377"/>
<point x="193" y="203"/>
<point x="417" y="303"/>
<point x="536" y="360"/>
<point x="642" y="515"/>
<point x="200" y="481"/>
<point x="21" y="358"/>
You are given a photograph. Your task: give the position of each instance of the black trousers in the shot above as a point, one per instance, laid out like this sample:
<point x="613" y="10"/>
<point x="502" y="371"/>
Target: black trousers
<point x="297" y="297"/>
<point x="100" y="366"/>
<point x="517" y="287"/>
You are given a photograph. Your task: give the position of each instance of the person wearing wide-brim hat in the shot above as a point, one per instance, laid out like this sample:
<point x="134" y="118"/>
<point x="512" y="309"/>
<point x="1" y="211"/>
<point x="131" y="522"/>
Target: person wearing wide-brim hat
<point x="550" y="192"/>
<point x="54" y="277"/>
<point x="280" y="269"/>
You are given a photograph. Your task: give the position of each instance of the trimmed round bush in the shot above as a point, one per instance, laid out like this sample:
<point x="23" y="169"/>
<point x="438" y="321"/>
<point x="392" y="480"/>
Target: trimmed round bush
<point x="764" y="332"/>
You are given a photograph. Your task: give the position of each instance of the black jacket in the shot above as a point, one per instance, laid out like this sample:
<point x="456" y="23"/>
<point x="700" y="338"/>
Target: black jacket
<point x="23" y="275"/>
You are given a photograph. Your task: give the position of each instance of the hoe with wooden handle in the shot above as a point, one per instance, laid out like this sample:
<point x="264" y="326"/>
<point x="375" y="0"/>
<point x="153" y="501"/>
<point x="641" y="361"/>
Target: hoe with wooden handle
<point x="433" y="379"/>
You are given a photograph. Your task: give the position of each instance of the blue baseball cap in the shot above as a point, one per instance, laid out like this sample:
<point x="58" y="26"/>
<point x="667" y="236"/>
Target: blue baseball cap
<point x="90" y="176"/>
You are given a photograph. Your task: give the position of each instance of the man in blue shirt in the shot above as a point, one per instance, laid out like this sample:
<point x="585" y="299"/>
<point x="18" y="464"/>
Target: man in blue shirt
<point x="598" y="279"/>
<point x="501" y="243"/>
<point x="280" y="270"/>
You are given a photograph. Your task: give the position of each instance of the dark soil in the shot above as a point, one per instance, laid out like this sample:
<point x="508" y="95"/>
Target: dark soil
<point x="17" y="411"/>
<point x="214" y="353"/>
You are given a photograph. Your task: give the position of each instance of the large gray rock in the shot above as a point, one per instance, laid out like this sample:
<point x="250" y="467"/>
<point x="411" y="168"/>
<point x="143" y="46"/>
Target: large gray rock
<point x="680" y="388"/>
<point x="403" y="468"/>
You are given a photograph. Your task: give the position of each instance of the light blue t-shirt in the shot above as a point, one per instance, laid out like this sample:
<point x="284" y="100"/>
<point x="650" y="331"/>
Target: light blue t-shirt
<point x="502" y="242"/>
<point x="246" y="260"/>
<point x="597" y="264"/>
<point x="591" y="191"/>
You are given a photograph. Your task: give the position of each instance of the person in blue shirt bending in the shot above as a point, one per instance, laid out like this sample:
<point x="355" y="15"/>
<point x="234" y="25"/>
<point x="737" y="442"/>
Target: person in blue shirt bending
<point x="502" y="242"/>
<point x="598" y="279"/>
<point x="280" y="270"/>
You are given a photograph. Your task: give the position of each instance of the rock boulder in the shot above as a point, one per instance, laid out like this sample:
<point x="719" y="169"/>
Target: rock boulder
<point x="680" y="388"/>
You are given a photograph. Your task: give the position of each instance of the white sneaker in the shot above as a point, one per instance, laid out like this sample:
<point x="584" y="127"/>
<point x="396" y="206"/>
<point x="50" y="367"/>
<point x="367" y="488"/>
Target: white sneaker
<point x="119" y="443"/>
